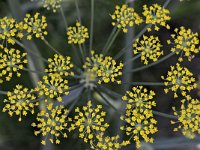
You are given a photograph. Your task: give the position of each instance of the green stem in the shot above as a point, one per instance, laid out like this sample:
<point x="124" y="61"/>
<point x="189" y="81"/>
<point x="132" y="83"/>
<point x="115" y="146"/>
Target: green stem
<point x="146" y="83"/>
<point x="91" y="25"/>
<point x="111" y="42"/>
<point x="164" y="115"/>
<point x="132" y="59"/>
<point x="152" y="64"/>
<point x="82" y="53"/>
<point x="78" y="11"/>
<point x="51" y="47"/>
<point x="33" y="71"/>
<point x="75" y="101"/>
<point x="110" y="37"/>
<point x="30" y="51"/>
<point x="109" y="92"/>
<point x="64" y="18"/>
<point x="123" y="50"/>
<point x="104" y="98"/>
<point x="3" y="92"/>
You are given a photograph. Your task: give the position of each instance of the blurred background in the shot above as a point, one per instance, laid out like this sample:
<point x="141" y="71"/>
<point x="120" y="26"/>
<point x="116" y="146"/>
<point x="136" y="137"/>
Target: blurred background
<point x="16" y="135"/>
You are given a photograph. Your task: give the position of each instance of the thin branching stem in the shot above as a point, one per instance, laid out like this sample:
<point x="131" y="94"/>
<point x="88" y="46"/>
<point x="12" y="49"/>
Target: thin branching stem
<point x="109" y="38"/>
<point x="82" y="53"/>
<point x="91" y="25"/>
<point x="111" y="42"/>
<point x="132" y="59"/>
<point x="51" y="47"/>
<point x="164" y="115"/>
<point x="79" y="19"/>
<point x="127" y="47"/>
<point x="146" y="83"/>
<point x="109" y="92"/>
<point x="34" y="71"/>
<point x="30" y="51"/>
<point x="105" y="99"/>
<point x="151" y="64"/>
<point x="76" y="101"/>
<point x="64" y="18"/>
<point x="3" y="92"/>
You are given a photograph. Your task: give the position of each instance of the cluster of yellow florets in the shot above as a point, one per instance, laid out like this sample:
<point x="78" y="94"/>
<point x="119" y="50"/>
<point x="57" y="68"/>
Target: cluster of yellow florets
<point x="35" y="25"/>
<point x="51" y="123"/>
<point x="185" y="42"/>
<point x="60" y="65"/>
<point x="179" y="78"/>
<point x="20" y="102"/>
<point x="139" y="125"/>
<point x="108" y="143"/>
<point x="89" y="121"/>
<point x="139" y="98"/>
<point x="139" y="115"/>
<point x="125" y="17"/>
<point x="53" y="86"/>
<point x="9" y="29"/>
<point x="149" y="48"/>
<point x="77" y="34"/>
<point x="11" y="60"/>
<point x="105" y="68"/>
<point x="156" y="15"/>
<point x="188" y="118"/>
<point x="50" y="4"/>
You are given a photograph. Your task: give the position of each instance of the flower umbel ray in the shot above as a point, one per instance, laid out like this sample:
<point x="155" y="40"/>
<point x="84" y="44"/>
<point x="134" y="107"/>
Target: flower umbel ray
<point x="35" y="25"/>
<point x="139" y="98"/>
<point x="179" y="79"/>
<point x="106" y="68"/>
<point x="139" y="125"/>
<point x="52" y="123"/>
<point x="9" y="29"/>
<point x="20" y="101"/>
<point x="53" y="86"/>
<point x="186" y="42"/>
<point x="89" y="121"/>
<point x="188" y="118"/>
<point x="149" y="48"/>
<point x="156" y="15"/>
<point x="60" y="65"/>
<point x="124" y="17"/>
<point x="11" y="61"/>
<point x="77" y="34"/>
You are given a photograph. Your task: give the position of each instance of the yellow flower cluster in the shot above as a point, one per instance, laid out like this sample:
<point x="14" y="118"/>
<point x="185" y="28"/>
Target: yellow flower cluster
<point x="179" y="78"/>
<point x="188" y="118"/>
<point x="50" y="4"/>
<point x="149" y="48"/>
<point x="9" y="29"/>
<point x="77" y="34"/>
<point x="89" y="121"/>
<point x="124" y="17"/>
<point x="60" y="65"/>
<point x="139" y="125"/>
<point x="35" y="25"/>
<point x="11" y="61"/>
<point x="105" y="68"/>
<point x="51" y="123"/>
<point x="156" y="15"/>
<point x="139" y="98"/>
<point x="53" y="86"/>
<point x="108" y="143"/>
<point x="139" y="115"/>
<point x="185" y="42"/>
<point x="20" y="102"/>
